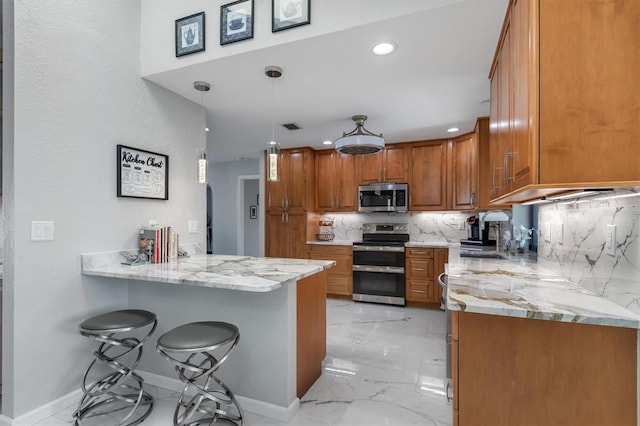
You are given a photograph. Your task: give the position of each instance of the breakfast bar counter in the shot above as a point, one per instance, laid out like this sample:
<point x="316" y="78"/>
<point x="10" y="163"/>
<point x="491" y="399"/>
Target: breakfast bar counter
<point x="279" y="306"/>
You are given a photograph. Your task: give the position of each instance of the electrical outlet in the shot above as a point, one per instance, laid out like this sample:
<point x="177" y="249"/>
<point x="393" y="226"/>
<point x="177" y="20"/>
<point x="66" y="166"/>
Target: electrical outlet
<point x="461" y="225"/>
<point x="193" y="226"/>
<point x="610" y="243"/>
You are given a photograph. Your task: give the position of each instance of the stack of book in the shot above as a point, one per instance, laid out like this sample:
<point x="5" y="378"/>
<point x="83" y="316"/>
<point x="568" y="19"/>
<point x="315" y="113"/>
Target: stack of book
<point x="159" y="244"/>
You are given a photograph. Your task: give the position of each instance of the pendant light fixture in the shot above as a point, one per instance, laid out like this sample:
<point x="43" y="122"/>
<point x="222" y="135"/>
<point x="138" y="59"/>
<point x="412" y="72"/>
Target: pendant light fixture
<point x="273" y="147"/>
<point x="202" y="86"/>
<point x="360" y="141"/>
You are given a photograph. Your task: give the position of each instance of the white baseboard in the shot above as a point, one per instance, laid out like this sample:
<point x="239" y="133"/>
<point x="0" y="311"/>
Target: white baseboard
<point x="44" y="411"/>
<point x="266" y="409"/>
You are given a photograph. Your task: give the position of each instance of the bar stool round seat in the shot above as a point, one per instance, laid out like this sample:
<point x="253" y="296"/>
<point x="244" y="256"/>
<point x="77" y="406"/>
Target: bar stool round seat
<point x="113" y="392"/>
<point x="198" y="349"/>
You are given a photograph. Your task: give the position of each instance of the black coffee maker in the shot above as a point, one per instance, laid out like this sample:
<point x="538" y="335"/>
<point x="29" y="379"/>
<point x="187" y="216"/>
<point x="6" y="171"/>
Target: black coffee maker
<point x="477" y="236"/>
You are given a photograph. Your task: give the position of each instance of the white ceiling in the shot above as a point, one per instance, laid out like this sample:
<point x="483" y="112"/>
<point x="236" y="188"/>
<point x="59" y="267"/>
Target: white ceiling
<point x="436" y="79"/>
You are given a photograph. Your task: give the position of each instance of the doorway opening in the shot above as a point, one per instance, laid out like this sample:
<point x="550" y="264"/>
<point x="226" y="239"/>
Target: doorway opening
<point x="249" y="216"/>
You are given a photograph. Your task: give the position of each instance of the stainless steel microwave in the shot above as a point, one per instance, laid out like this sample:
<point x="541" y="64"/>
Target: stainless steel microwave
<point x="383" y="197"/>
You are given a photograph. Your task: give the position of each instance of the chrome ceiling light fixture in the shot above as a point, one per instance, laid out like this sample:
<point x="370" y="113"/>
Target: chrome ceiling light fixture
<point x="273" y="147"/>
<point x="360" y="141"/>
<point x="202" y="86"/>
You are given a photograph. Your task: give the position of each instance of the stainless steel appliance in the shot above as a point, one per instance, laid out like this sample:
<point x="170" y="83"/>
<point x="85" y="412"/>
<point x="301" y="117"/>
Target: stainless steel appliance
<point x="378" y="263"/>
<point x="383" y="197"/>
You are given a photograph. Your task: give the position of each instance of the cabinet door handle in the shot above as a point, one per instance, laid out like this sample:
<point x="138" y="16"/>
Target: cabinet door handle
<point x="419" y="291"/>
<point x="507" y="155"/>
<point x="473" y="199"/>
<point x="286" y="202"/>
<point x="282" y="218"/>
<point x="286" y="215"/>
<point x="449" y="392"/>
<point x="420" y="269"/>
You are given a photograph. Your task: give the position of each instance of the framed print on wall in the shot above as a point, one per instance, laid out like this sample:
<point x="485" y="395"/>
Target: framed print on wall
<point x="236" y="21"/>
<point x="287" y="14"/>
<point x="142" y="174"/>
<point x="190" y="34"/>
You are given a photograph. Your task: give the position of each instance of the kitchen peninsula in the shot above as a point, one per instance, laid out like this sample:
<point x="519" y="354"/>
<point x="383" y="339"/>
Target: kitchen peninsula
<point x="277" y="304"/>
<point x="530" y="348"/>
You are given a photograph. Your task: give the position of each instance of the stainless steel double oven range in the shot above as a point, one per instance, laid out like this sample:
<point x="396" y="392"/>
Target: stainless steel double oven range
<point x="378" y="263"/>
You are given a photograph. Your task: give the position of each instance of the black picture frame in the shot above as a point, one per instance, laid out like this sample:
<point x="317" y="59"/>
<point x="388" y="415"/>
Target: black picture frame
<point x="190" y="34"/>
<point x="236" y="21"/>
<point x="142" y="174"/>
<point x="253" y="212"/>
<point x="287" y="14"/>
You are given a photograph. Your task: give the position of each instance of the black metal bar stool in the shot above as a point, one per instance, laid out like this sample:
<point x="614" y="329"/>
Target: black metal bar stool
<point x="110" y="383"/>
<point x="205" y="345"/>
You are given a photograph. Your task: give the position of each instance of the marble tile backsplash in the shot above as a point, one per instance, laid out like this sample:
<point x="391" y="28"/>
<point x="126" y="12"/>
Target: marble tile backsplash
<point x="572" y="243"/>
<point x="423" y="227"/>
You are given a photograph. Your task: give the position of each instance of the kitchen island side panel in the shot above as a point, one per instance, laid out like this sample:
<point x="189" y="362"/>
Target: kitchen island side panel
<point x="263" y="365"/>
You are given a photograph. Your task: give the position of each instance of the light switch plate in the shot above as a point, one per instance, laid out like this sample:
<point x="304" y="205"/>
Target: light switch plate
<point x="42" y="230"/>
<point x="610" y="242"/>
<point x="193" y="226"/>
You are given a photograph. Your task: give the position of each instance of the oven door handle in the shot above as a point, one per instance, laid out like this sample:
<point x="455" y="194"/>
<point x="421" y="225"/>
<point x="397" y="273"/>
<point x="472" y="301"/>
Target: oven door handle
<point x="384" y="269"/>
<point x="379" y="248"/>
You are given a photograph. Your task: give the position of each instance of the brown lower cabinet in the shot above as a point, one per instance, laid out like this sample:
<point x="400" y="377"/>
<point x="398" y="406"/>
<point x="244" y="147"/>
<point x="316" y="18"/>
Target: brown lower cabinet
<point x="422" y="267"/>
<point x="519" y="371"/>
<point x="340" y="277"/>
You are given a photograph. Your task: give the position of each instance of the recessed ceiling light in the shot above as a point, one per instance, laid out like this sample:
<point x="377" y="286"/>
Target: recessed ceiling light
<point x="453" y="129"/>
<point x="206" y="129"/>
<point x="384" y="48"/>
<point x="327" y="143"/>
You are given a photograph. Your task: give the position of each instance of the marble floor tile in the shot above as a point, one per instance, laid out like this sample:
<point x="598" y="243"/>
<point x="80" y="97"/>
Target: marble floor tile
<point x="385" y="365"/>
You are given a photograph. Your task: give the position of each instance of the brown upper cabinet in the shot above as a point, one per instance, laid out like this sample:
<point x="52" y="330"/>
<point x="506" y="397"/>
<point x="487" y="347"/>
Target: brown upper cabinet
<point x="564" y="98"/>
<point x="294" y="191"/>
<point x="428" y="175"/>
<point x="391" y="165"/>
<point x="337" y="188"/>
<point x="464" y="172"/>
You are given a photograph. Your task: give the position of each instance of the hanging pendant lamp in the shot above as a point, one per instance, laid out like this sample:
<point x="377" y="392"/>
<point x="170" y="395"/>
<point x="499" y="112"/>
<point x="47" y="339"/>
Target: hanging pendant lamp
<point x="360" y="141"/>
<point x="202" y="86"/>
<point x="273" y="147"/>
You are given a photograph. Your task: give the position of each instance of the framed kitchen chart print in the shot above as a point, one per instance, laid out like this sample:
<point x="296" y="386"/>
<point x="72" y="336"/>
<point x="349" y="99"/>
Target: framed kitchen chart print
<point x="190" y="34"/>
<point x="287" y="14"/>
<point x="236" y="21"/>
<point x="142" y="174"/>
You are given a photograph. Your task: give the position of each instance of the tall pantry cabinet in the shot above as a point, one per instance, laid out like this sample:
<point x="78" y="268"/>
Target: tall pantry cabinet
<point x="290" y="221"/>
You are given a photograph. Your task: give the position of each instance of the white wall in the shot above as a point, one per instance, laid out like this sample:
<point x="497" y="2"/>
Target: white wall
<point x="223" y="178"/>
<point x="75" y="79"/>
<point x="158" y="17"/>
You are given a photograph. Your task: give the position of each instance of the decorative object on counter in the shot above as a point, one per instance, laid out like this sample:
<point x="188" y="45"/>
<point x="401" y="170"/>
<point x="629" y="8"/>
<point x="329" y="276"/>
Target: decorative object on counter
<point x="236" y="21"/>
<point x="253" y="212"/>
<point x="360" y="141"/>
<point x="121" y="390"/>
<point x="325" y="230"/>
<point x="190" y="34"/>
<point x="287" y="14"/>
<point x="142" y="174"/>
<point x="521" y="235"/>
<point x="273" y="147"/>
<point x="198" y="350"/>
<point x="159" y="244"/>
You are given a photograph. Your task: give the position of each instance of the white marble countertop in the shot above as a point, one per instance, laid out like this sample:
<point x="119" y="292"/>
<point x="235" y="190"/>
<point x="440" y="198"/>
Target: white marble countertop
<point x="519" y="287"/>
<point x="244" y="273"/>
<point x="332" y="242"/>
<point x="428" y="244"/>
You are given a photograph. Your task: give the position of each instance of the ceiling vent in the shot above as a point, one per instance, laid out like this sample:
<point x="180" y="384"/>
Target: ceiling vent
<point x="291" y="126"/>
